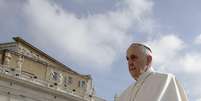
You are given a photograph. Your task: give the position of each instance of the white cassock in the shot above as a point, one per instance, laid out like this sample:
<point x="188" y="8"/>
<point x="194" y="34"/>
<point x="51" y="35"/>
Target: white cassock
<point x="154" y="86"/>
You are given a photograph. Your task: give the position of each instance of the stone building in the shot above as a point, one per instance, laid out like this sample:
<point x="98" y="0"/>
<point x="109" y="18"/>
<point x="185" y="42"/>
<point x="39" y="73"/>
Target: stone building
<point x="28" y="74"/>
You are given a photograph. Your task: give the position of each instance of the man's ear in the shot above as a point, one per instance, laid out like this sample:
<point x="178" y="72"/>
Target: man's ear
<point x="149" y="59"/>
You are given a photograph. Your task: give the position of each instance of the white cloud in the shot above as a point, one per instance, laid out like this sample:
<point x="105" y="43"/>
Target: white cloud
<point x="191" y="62"/>
<point x="198" y="39"/>
<point x="95" y="39"/>
<point x="166" y="48"/>
<point x="169" y="55"/>
<point x="199" y="99"/>
<point x="194" y="88"/>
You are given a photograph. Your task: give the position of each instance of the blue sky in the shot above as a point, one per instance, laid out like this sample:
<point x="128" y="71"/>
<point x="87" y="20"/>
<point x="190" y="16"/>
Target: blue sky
<point x="91" y="36"/>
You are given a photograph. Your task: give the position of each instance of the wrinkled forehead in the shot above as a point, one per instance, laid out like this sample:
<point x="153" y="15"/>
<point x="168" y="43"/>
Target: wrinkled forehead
<point x="135" y="50"/>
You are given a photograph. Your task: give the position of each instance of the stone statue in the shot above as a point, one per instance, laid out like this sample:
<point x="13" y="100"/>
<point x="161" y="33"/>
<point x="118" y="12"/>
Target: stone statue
<point x="7" y="59"/>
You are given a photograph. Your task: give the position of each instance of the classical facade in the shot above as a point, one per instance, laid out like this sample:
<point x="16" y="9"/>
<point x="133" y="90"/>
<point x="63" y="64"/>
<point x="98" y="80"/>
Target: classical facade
<point x="28" y="74"/>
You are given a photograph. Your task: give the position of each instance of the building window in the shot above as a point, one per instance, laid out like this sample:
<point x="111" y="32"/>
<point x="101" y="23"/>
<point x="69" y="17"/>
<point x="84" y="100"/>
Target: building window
<point x="55" y="76"/>
<point x="68" y="80"/>
<point x="38" y="56"/>
<point x="82" y="84"/>
<point x="65" y="81"/>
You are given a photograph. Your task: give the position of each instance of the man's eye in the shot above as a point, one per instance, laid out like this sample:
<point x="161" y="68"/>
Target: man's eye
<point x="127" y="58"/>
<point x="133" y="57"/>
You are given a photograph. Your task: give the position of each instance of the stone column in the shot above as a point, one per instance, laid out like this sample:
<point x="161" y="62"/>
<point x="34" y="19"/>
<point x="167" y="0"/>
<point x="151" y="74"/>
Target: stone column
<point x="60" y="82"/>
<point x="19" y="63"/>
<point x="7" y="59"/>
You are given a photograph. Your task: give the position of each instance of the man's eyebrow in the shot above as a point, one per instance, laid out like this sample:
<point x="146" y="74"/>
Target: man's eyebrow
<point x="132" y="55"/>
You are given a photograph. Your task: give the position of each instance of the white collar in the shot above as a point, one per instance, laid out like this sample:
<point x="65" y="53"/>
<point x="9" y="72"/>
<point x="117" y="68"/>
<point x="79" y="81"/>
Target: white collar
<point x="145" y="74"/>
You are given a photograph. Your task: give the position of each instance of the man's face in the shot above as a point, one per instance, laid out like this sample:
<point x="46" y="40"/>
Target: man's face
<point x="136" y="61"/>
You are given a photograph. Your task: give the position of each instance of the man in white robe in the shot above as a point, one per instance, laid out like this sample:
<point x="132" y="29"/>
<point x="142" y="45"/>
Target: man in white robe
<point x="150" y="85"/>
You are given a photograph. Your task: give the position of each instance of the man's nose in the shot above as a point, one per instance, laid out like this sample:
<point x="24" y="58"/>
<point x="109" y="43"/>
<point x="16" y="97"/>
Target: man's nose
<point x="131" y="63"/>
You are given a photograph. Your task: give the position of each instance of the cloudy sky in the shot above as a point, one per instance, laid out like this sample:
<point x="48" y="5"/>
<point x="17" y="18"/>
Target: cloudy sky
<point x="91" y="36"/>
